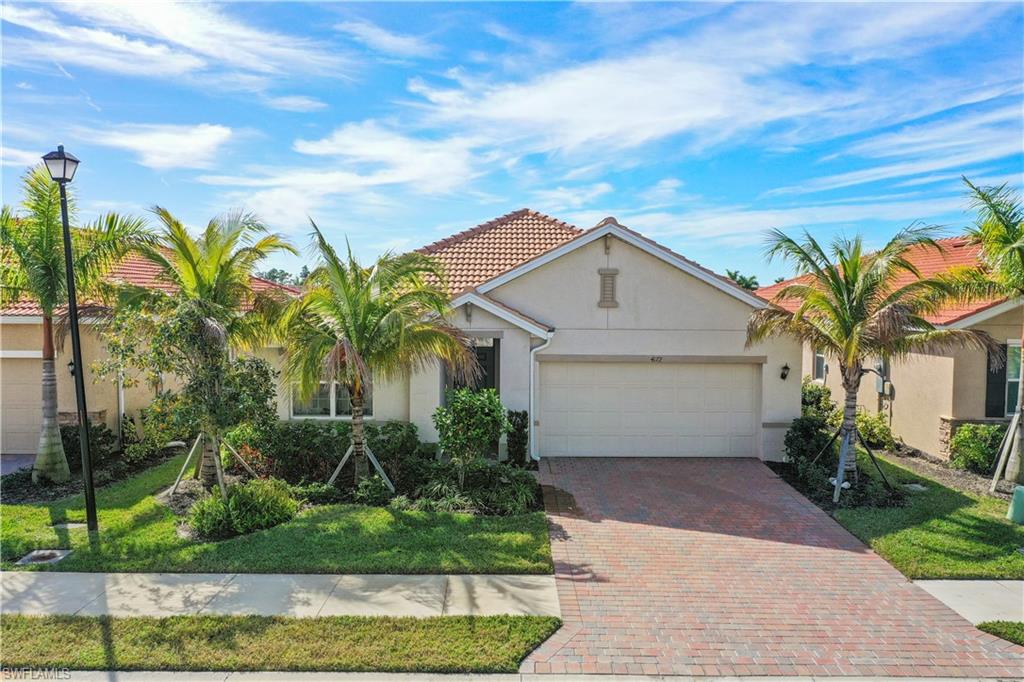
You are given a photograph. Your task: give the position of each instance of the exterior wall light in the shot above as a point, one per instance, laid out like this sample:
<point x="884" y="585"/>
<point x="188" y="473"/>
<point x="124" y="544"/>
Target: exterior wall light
<point x="785" y="371"/>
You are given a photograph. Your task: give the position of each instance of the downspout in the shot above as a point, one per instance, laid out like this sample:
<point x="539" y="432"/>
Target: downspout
<point x="533" y="401"/>
<point x="120" y="410"/>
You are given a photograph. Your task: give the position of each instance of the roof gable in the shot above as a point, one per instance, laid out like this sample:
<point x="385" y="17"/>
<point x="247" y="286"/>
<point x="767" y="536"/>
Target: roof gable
<point x="478" y="254"/>
<point x="955" y="252"/>
<point x="609" y="226"/>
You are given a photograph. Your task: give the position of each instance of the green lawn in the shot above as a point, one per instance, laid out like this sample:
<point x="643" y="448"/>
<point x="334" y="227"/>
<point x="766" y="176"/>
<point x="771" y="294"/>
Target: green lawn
<point x="1007" y="629"/>
<point x="941" y="533"/>
<point x="448" y="644"/>
<point x="139" y="534"/>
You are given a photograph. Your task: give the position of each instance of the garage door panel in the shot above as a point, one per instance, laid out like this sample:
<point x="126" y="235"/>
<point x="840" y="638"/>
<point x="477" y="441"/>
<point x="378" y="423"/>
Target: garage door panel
<point x="21" y="411"/>
<point x="637" y="409"/>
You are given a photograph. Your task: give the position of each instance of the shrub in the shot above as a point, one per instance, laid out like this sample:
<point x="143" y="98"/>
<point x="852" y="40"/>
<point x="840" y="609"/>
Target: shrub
<point x="469" y="426"/>
<point x="260" y="504"/>
<point x="305" y="450"/>
<point x="136" y="453"/>
<point x="210" y="518"/>
<point x="806" y="437"/>
<point x="373" y="492"/>
<point x="393" y="442"/>
<point x="974" y="447"/>
<point x="169" y="417"/>
<point x="320" y="493"/>
<point x="815" y="399"/>
<point x="873" y="428"/>
<point x="518" y="437"/>
<point x="489" y="488"/>
<point x="102" y="444"/>
<point x="249" y="507"/>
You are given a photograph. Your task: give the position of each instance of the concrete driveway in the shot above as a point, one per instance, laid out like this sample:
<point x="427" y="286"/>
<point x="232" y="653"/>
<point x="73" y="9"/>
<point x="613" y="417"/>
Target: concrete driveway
<point x="717" y="567"/>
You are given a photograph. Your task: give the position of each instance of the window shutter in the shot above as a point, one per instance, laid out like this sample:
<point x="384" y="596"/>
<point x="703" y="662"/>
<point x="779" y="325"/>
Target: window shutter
<point x="995" y="389"/>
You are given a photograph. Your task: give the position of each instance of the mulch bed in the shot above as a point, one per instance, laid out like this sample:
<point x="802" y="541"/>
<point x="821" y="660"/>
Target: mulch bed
<point x="964" y="481"/>
<point x="17" y="487"/>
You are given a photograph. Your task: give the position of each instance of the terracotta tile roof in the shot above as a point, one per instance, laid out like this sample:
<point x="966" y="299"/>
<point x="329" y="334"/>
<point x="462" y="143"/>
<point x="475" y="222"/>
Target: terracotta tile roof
<point x="139" y="271"/>
<point x="956" y="252"/>
<point x="481" y="253"/>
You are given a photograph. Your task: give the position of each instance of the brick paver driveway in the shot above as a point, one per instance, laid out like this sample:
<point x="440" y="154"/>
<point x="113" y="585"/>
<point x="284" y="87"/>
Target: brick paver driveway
<point x="717" y="567"/>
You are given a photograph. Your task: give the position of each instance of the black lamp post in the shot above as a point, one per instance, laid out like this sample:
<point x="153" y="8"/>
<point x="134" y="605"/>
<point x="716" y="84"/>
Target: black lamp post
<point x="62" y="167"/>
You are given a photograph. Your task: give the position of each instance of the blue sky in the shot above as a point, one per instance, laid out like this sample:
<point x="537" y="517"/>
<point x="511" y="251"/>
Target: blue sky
<point x="701" y="125"/>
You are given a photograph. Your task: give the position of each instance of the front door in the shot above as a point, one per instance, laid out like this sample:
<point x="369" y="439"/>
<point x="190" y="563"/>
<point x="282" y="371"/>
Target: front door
<point x="487" y="353"/>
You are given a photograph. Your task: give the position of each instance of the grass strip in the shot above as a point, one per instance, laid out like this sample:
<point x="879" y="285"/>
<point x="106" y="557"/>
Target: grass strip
<point x="447" y="644"/>
<point x="1009" y="630"/>
<point x="137" y="534"/>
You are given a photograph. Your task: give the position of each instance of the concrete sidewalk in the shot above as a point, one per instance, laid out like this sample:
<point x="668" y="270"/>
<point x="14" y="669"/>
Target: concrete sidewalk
<point x="303" y="596"/>
<point x="164" y="676"/>
<point x="979" y="600"/>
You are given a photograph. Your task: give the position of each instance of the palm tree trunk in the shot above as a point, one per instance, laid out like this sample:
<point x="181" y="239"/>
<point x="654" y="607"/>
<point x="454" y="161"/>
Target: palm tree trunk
<point x="51" y="464"/>
<point x="1015" y="465"/>
<point x="851" y="386"/>
<point x="362" y="465"/>
<point x="208" y="465"/>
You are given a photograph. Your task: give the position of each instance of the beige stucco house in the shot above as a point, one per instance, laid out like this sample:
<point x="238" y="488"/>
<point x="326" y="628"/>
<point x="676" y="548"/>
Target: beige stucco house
<point x="927" y="396"/>
<point x="616" y="346"/>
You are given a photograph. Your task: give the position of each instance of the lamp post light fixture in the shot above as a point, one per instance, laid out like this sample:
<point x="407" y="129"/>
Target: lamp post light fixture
<point x="62" y="167"/>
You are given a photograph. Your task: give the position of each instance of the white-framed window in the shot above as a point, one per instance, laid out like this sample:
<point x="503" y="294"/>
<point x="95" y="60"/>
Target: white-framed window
<point x="819" y="368"/>
<point x="1012" y="376"/>
<point x="329" y="404"/>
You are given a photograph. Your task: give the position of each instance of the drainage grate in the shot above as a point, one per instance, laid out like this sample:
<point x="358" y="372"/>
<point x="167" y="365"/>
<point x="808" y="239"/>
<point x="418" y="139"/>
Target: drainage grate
<point x="43" y="556"/>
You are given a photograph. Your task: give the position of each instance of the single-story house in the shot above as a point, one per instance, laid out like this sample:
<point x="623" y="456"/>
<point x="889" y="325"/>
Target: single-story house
<point x="616" y="345"/>
<point x="21" y="339"/>
<point x="928" y="395"/>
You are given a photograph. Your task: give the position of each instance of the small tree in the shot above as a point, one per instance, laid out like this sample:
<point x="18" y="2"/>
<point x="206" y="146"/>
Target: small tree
<point x="748" y="282"/>
<point x="999" y="231"/>
<point x="853" y="305"/>
<point x="210" y="311"/>
<point x="469" y="426"/>
<point x="32" y="266"/>
<point x="356" y="323"/>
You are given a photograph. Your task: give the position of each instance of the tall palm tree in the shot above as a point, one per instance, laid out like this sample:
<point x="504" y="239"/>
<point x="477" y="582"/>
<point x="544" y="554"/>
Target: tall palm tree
<point x="999" y="231"/>
<point x="32" y="267"/>
<point x="857" y="306"/>
<point x="356" y="324"/>
<point x="212" y="291"/>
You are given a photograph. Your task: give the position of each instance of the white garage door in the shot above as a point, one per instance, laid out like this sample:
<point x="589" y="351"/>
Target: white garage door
<point x="631" y="409"/>
<point x="21" y="409"/>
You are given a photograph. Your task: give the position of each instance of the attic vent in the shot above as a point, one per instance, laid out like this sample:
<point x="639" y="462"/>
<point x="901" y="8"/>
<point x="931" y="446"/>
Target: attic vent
<point x="607" y="299"/>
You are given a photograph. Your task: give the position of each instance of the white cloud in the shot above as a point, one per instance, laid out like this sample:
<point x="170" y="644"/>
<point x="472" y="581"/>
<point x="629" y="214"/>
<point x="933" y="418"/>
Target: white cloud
<point x="381" y="40"/>
<point x="924" y="148"/>
<point x="767" y="81"/>
<point x="11" y="156"/>
<point x="571" y="197"/>
<point x="163" y="147"/>
<point x="295" y="103"/>
<point x="664" y="191"/>
<point x="160" y="39"/>
<point x="384" y="156"/>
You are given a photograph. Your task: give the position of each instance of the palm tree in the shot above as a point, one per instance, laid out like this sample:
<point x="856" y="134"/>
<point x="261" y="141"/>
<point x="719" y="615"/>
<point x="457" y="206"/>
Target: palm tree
<point x="856" y="306"/>
<point x="212" y="295"/>
<point x="358" y="323"/>
<point x="999" y="231"/>
<point x="32" y="266"/>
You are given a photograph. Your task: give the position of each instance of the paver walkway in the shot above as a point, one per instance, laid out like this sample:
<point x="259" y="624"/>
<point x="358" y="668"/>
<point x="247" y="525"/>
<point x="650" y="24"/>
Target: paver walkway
<point x="979" y="600"/>
<point x="717" y="567"/>
<point x="174" y="594"/>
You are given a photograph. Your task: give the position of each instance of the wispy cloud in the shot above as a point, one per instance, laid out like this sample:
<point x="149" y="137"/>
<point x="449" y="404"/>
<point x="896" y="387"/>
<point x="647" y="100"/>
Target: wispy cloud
<point x="295" y="103"/>
<point x="164" y="147"/>
<point x="562" y="198"/>
<point x="11" y="156"/>
<point x="160" y="39"/>
<point x="388" y="42"/>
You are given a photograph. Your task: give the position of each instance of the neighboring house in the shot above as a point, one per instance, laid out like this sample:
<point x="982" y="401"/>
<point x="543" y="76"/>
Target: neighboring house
<point x="616" y="346"/>
<point x="929" y="395"/>
<point x="21" y="353"/>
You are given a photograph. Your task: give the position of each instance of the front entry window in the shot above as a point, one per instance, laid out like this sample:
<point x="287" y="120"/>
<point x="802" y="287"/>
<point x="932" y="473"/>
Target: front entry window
<point x="1012" y="377"/>
<point x="329" y="404"/>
